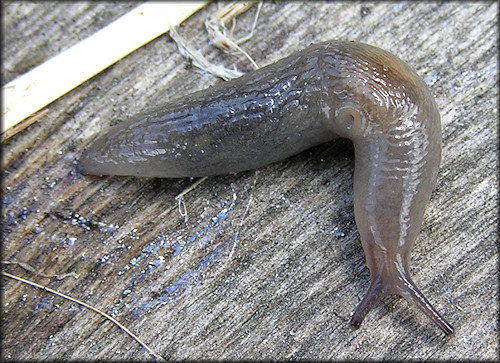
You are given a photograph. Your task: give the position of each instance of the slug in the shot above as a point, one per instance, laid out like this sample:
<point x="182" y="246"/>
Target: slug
<point x="335" y="89"/>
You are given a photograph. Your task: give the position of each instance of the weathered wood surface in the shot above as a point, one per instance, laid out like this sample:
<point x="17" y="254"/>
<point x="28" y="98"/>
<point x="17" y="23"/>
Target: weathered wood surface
<point x="269" y="264"/>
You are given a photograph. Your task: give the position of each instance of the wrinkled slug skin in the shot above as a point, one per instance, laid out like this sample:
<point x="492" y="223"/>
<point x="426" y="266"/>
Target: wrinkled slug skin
<point x="328" y="90"/>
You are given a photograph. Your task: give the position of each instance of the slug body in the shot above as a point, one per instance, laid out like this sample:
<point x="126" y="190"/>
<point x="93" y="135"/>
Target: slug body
<point x="328" y="90"/>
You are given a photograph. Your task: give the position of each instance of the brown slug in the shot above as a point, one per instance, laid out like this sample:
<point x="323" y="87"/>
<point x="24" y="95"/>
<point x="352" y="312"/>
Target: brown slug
<point x="328" y="90"/>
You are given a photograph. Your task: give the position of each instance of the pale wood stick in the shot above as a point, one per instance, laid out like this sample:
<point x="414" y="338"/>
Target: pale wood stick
<point x="59" y="75"/>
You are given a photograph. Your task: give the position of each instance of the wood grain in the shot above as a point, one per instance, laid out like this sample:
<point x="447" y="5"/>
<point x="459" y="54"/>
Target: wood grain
<point x="269" y="264"/>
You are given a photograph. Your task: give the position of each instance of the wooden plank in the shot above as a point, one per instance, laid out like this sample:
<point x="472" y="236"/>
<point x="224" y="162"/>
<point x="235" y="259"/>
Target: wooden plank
<point x="274" y="273"/>
<point x="59" y="75"/>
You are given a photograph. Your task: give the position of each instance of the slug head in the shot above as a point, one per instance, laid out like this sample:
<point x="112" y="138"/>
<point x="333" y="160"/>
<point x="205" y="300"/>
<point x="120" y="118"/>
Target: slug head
<point x="382" y="105"/>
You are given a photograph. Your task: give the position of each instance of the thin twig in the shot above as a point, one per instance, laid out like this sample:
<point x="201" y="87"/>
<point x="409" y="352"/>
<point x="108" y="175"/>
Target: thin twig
<point x="244" y="214"/>
<point x="191" y="187"/>
<point x="24" y="124"/>
<point x="180" y="197"/>
<point x="218" y="33"/>
<point x="103" y="314"/>
<point x="200" y="61"/>
<point x="31" y="269"/>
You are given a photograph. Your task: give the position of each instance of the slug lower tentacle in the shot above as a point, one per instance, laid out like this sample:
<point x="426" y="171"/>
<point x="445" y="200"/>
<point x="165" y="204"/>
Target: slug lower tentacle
<point x="329" y="90"/>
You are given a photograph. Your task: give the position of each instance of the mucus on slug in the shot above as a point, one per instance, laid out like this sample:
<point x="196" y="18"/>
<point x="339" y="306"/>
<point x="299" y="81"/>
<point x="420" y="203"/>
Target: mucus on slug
<point x="328" y="90"/>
